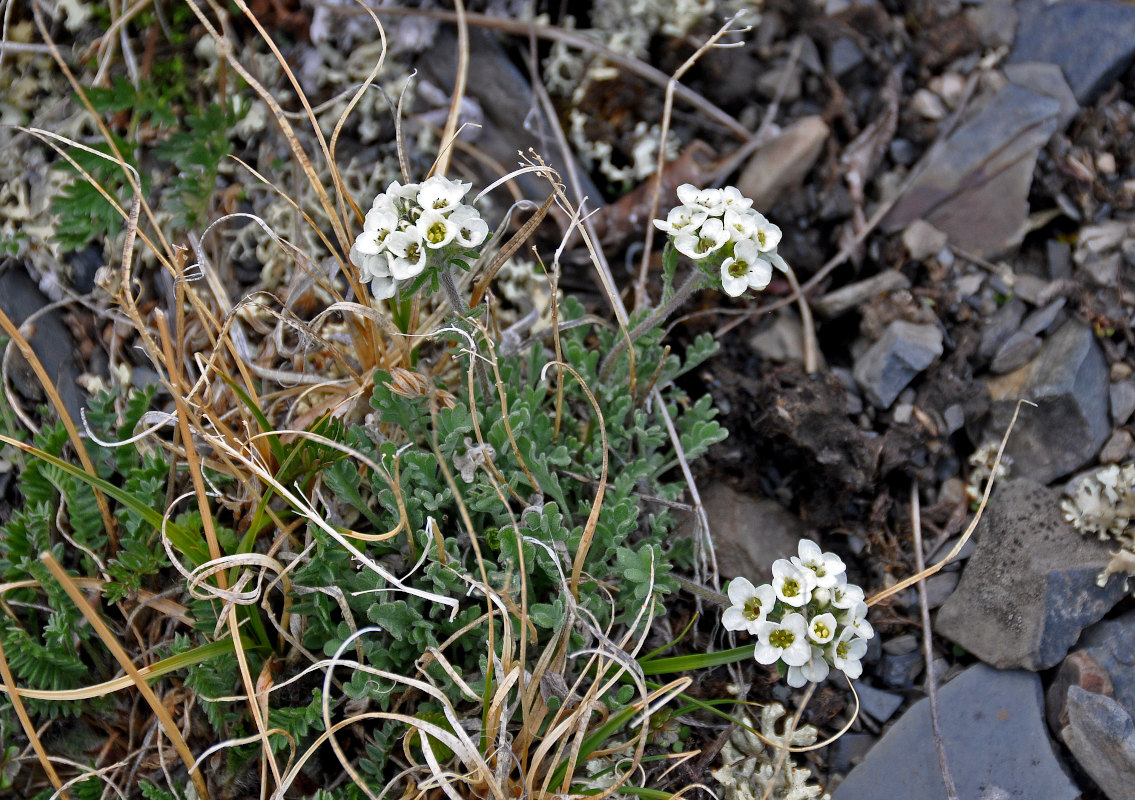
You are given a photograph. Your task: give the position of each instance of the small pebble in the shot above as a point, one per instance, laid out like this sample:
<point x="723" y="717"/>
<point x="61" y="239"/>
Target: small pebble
<point x="1117" y="447"/>
<point x="1017" y="351"/>
<point x="928" y="105"/>
<point x="955" y="417"/>
<point x="900" y="645"/>
<point x="899" y="672"/>
<point x="1043" y="318"/>
<point x="1122" y="396"/>
<point x="1105" y="163"/>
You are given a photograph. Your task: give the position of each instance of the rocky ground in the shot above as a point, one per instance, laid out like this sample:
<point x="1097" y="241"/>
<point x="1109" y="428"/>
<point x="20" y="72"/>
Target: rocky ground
<point x="956" y="185"/>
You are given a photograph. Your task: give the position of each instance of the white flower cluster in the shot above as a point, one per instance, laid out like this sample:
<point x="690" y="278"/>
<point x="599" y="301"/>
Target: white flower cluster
<point x="809" y="618"/>
<point x="1104" y="504"/>
<point x="717" y="228"/>
<point x="412" y="227"/>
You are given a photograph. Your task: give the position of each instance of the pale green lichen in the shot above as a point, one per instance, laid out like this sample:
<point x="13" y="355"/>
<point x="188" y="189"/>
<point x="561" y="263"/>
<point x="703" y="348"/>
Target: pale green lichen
<point x="981" y="464"/>
<point x="749" y="765"/>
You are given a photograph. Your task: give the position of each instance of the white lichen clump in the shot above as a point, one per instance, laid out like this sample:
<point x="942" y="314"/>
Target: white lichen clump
<point x="981" y="464"/>
<point x="1104" y="504"/>
<point x="748" y="765"/>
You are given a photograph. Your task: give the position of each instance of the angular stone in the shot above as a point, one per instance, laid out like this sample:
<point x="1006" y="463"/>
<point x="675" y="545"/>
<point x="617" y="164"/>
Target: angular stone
<point x="782" y="341"/>
<point x="1117" y="447"/>
<point x="1101" y="736"/>
<point x="877" y="704"/>
<point x="1122" y="397"/>
<point x="992" y="726"/>
<point x="922" y="240"/>
<point x="1030" y="587"/>
<point x="1112" y="645"/>
<point x="1017" y="351"/>
<point x="1043" y="318"/>
<point x="1002" y="324"/>
<point x="1078" y="669"/>
<point x="784" y="162"/>
<point x="975" y="185"/>
<point x="1068" y="381"/>
<point x="1093" y="43"/>
<point x="748" y="535"/>
<point x="889" y="365"/>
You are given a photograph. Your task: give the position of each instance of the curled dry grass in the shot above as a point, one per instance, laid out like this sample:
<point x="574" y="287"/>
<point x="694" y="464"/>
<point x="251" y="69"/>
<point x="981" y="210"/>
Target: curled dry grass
<point x="211" y="351"/>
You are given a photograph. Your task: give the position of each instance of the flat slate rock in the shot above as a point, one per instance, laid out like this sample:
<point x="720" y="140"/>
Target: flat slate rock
<point x="1068" y="381"/>
<point x="993" y="731"/>
<point x="749" y="534"/>
<point x="975" y="185"/>
<point x="1030" y="587"/>
<point x="1092" y="42"/>
<point x="891" y="363"/>
<point x="1112" y="645"/>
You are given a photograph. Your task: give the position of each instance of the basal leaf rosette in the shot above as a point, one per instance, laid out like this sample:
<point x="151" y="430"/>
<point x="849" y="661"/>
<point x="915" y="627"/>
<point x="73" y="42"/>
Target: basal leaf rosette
<point x="413" y="231"/>
<point x="808" y="621"/>
<point x="718" y="230"/>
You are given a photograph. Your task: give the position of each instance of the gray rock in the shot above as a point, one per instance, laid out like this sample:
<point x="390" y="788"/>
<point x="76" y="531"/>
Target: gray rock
<point x="748" y="534"/>
<point x="1101" y="736"/>
<point x="1030" y="587"/>
<point x="1017" y="351"/>
<point x="855" y="294"/>
<point x="50" y="340"/>
<point x="849" y="750"/>
<point x="995" y="741"/>
<point x="1093" y="43"/>
<point x="901" y="645"/>
<point x="975" y="185"/>
<point x="1078" y="669"/>
<point x="939" y="588"/>
<point x="1059" y="259"/>
<point x="877" y="704"/>
<point x="1002" y="324"/>
<point x="844" y="56"/>
<point x="1112" y="645"/>
<point x="1068" y="380"/>
<point x="782" y="341"/>
<point x="899" y="672"/>
<point x="995" y="22"/>
<point x="1122" y="397"/>
<point x="903" y="351"/>
<point x="922" y="240"/>
<point x="1043" y="318"/>
<point x="784" y="162"/>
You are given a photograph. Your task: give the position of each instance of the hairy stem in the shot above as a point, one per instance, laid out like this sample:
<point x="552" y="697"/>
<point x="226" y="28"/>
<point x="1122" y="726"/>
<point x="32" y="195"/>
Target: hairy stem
<point x="454" y="298"/>
<point x="656" y="317"/>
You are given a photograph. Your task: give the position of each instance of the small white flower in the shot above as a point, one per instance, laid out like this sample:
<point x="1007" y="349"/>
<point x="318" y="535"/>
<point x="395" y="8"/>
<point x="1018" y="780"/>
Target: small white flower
<point x="471" y="229"/>
<point x="745" y="269"/>
<point x="682" y="219"/>
<point x="767" y="235"/>
<point x="791" y="584"/>
<point x="377" y="225"/>
<point x="688" y="195"/>
<point x="409" y="254"/>
<point x="733" y="199"/>
<point x="855" y="619"/>
<point x="475" y="455"/>
<point x="822" y="628"/>
<point x="787" y="639"/>
<point x="384" y="202"/>
<point x="712" y="200"/>
<point x="846" y="595"/>
<point x="710" y="238"/>
<point x="815" y="670"/>
<point x="441" y="194"/>
<point x="741" y="224"/>
<point x="750" y="605"/>
<point x="435" y="229"/>
<point x="826" y="566"/>
<point x="846" y="653"/>
<point x="397" y="193"/>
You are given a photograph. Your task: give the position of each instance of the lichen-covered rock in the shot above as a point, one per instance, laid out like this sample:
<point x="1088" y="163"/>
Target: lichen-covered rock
<point x="1030" y="587"/>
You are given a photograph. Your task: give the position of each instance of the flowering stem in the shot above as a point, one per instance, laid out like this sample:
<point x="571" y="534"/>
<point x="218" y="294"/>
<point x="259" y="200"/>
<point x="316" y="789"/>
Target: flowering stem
<point x="692" y="282"/>
<point x="449" y="286"/>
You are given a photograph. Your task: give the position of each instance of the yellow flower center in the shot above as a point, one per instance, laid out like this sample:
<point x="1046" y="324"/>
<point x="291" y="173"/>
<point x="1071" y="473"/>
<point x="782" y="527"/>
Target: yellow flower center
<point x="791" y="587"/>
<point x="841" y="649"/>
<point x="436" y="233"/>
<point x="738" y="269"/>
<point x="781" y="638"/>
<point x="821" y="630"/>
<point x="752" y="608"/>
